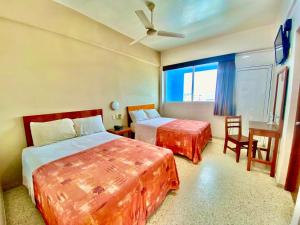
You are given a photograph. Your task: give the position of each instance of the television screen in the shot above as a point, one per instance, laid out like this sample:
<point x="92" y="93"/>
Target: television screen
<point x="279" y="47"/>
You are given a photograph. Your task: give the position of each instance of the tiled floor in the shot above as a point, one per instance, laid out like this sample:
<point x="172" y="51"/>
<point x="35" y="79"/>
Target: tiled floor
<point x="218" y="191"/>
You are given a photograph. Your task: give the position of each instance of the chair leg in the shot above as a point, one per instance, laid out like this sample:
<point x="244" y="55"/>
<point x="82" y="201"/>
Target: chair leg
<point x="268" y="155"/>
<point x="238" y="153"/>
<point x="254" y="149"/>
<point x="225" y="146"/>
<point x="268" y="149"/>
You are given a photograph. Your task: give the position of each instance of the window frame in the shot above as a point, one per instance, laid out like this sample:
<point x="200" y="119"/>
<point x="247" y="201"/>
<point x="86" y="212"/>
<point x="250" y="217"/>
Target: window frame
<point x="193" y="80"/>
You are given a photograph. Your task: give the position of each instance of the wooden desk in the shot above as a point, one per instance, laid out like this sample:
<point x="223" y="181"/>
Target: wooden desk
<point x="265" y="130"/>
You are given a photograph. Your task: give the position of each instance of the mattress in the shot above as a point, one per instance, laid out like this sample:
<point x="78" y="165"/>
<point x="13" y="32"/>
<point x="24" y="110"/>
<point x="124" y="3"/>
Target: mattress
<point x="35" y="157"/>
<point x="146" y="130"/>
<point x="183" y="137"/>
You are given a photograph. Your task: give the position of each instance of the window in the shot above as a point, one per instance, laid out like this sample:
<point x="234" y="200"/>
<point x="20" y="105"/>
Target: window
<point x="187" y="87"/>
<point x="191" y="84"/>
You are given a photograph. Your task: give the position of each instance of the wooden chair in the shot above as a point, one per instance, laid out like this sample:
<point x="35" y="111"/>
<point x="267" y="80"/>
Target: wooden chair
<point x="240" y="141"/>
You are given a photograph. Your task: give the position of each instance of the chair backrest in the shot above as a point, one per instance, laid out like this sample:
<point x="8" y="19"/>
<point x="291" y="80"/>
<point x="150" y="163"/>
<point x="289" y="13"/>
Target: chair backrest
<point x="233" y="123"/>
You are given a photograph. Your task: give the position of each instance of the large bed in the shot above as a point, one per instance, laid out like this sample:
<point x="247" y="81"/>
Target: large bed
<point x="183" y="137"/>
<point x="96" y="179"/>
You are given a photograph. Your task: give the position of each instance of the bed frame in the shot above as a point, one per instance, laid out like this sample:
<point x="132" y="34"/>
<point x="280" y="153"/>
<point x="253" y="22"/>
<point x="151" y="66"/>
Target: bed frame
<point x="55" y="116"/>
<point x="137" y="107"/>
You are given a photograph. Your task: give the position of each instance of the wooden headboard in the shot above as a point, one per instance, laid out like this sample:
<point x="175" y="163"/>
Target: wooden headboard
<point x="55" y="116"/>
<point x="137" y="107"/>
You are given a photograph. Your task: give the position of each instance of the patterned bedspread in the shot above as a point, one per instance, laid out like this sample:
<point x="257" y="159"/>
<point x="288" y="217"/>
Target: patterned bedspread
<point x="121" y="182"/>
<point x="184" y="137"/>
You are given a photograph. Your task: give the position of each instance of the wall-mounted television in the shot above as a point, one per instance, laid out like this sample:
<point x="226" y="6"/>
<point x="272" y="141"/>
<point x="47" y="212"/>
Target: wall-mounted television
<point x="282" y="43"/>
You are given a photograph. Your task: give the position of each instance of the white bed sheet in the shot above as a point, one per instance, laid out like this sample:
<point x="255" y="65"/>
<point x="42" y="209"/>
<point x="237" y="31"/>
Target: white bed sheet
<point x="146" y="130"/>
<point x="34" y="157"/>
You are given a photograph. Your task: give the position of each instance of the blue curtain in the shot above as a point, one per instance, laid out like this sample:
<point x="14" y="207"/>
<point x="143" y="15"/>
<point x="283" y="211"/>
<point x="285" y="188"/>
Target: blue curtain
<point x="225" y="99"/>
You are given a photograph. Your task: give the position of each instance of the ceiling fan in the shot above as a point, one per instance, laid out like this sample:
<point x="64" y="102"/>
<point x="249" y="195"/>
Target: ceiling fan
<point x="150" y="30"/>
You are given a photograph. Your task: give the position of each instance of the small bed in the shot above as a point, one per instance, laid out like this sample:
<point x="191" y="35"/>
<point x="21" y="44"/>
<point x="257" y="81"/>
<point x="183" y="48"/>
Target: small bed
<point x="183" y="137"/>
<point x="99" y="178"/>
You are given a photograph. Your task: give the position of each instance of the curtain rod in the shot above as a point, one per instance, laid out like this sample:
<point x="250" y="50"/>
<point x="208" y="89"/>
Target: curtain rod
<point x="221" y="58"/>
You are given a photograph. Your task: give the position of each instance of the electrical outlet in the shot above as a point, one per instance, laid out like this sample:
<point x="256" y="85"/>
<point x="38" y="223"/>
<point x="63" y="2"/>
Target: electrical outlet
<point x="113" y="116"/>
<point x="119" y="116"/>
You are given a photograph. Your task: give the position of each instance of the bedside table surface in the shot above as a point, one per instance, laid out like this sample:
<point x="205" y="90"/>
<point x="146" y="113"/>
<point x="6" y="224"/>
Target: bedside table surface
<point x="122" y="131"/>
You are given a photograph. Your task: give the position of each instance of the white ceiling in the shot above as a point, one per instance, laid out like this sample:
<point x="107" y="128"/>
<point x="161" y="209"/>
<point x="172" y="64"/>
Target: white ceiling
<point x="197" y="19"/>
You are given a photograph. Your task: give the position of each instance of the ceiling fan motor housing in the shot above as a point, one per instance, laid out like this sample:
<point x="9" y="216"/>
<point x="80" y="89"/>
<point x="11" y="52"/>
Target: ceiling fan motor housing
<point x="151" y="32"/>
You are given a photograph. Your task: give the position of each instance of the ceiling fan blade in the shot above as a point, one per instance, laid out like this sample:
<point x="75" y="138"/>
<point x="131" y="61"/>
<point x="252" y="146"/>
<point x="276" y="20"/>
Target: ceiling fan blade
<point x="143" y="18"/>
<point x="138" y="40"/>
<point x="170" y="34"/>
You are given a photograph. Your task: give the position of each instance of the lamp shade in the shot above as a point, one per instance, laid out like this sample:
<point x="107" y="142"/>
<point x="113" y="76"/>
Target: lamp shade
<point x="115" y="105"/>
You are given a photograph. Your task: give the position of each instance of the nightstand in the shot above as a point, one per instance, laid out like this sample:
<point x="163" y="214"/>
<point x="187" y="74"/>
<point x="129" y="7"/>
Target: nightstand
<point x="122" y="132"/>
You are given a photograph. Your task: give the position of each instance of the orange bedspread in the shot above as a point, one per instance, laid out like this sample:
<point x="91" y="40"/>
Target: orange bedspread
<point x="184" y="137"/>
<point x="120" y="182"/>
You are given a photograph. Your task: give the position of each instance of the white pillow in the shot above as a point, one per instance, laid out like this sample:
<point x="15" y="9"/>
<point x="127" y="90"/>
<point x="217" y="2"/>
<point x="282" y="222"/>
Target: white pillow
<point x="88" y="125"/>
<point x="138" y="115"/>
<point x="152" y="113"/>
<point x="50" y="132"/>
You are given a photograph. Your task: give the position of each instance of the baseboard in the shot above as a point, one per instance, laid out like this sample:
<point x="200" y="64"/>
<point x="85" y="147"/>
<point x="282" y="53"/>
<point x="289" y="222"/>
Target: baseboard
<point x="218" y="138"/>
<point x="6" y="187"/>
<point x="2" y="210"/>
